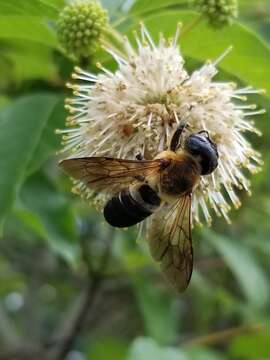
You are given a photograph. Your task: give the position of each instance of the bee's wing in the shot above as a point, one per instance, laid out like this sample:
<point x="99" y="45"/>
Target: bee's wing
<point x="170" y="242"/>
<point x="103" y="173"/>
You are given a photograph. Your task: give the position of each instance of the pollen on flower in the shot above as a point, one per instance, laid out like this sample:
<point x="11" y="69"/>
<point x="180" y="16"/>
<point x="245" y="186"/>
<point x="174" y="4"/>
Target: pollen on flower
<point x="136" y="109"/>
<point x="127" y="130"/>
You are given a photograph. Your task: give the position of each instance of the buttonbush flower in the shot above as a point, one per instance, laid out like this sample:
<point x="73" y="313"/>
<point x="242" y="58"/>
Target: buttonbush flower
<point x="137" y="108"/>
<point x="80" y="26"/>
<point x="218" y="12"/>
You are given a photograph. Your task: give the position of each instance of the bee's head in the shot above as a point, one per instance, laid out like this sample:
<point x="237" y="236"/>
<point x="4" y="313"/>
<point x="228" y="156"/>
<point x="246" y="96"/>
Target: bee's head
<point x="204" y="150"/>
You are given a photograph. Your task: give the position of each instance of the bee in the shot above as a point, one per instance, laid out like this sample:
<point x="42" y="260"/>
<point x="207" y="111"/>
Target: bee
<point x="160" y="189"/>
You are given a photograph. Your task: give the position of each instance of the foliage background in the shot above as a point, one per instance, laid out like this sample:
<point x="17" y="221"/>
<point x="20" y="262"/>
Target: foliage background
<point x="69" y="286"/>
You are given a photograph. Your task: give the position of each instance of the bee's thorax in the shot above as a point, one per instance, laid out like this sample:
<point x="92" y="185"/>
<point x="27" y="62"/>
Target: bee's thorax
<point x="194" y="159"/>
<point x="180" y="176"/>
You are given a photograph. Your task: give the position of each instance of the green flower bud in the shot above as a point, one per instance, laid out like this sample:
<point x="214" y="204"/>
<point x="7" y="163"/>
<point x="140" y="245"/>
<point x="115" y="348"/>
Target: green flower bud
<point x="80" y="26"/>
<point x="219" y="12"/>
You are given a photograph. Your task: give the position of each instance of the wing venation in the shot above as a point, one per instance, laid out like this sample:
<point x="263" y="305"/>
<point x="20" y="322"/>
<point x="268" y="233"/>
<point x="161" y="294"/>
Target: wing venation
<point x="170" y="242"/>
<point x="110" y="174"/>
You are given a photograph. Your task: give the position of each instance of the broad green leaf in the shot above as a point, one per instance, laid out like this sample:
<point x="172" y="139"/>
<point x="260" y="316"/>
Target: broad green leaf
<point x="30" y="7"/>
<point x="137" y="10"/>
<point x="49" y="205"/>
<point x="249" y="60"/>
<point x="50" y="142"/>
<point x="157" y="310"/>
<point x="27" y="61"/>
<point x="30" y="220"/>
<point x="143" y="6"/>
<point x="147" y="348"/>
<point x="55" y="3"/>
<point x="27" y="28"/>
<point x="244" y="265"/>
<point x="21" y="125"/>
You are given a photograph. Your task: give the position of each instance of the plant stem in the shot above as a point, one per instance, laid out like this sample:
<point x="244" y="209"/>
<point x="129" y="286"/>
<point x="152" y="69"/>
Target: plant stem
<point x="78" y="325"/>
<point x="191" y="25"/>
<point x="95" y="281"/>
<point x="223" y="335"/>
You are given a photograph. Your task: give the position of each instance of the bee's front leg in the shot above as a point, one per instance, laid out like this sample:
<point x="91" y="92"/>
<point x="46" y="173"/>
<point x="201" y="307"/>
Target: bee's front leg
<point x="139" y="157"/>
<point x="176" y="137"/>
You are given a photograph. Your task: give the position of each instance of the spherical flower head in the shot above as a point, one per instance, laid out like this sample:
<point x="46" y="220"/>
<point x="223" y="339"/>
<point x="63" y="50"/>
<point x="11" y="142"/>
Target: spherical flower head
<point x="80" y="26"/>
<point x="219" y="12"/>
<point x="137" y="109"/>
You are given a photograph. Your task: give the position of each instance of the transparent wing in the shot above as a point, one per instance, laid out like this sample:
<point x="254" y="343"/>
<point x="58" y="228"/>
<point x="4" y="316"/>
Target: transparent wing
<point x="103" y="173"/>
<point x="170" y="242"/>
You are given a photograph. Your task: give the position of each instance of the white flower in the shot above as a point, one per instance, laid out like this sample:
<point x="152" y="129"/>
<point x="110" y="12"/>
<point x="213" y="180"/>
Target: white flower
<point x="137" y="109"/>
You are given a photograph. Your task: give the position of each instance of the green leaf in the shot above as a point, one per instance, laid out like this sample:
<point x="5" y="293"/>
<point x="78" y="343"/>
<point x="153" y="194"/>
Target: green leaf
<point x="27" y="28"/>
<point x="30" y="220"/>
<point x="146" y="348"/>
<point x="243" y="264"/>
<point x="249" y="60"/>
<point x="26" y="61"/>
<point x="157" y="309"/>
<point x="21" y="125"/>
<point x="50" y="142"/>
<point x="30" y="7"/>
<point x="49" y="205"/>
<point x="145" y="6"/>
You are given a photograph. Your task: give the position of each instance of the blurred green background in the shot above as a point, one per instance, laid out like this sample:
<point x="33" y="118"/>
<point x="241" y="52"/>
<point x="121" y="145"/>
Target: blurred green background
<point x="70" y="287"/>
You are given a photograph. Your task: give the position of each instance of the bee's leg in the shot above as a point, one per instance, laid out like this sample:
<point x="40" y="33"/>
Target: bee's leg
<point x="139" y="157"/>
<point x="204" y="132"/>
<point x="176" y="137"/>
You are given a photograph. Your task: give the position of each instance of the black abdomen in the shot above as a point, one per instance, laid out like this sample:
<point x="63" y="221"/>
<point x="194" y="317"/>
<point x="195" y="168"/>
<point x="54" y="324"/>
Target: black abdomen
<point x="127" y="209"/>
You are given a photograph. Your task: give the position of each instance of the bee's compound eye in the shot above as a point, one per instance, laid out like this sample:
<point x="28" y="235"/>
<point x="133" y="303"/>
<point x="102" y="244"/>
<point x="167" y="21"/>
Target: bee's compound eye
<point x="205" y="150"/>
<point x="195" y="143"/>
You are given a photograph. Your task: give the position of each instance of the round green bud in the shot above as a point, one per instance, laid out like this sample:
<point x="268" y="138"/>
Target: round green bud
<point x="80" y="26"/>
<point x="219" y="12"/>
